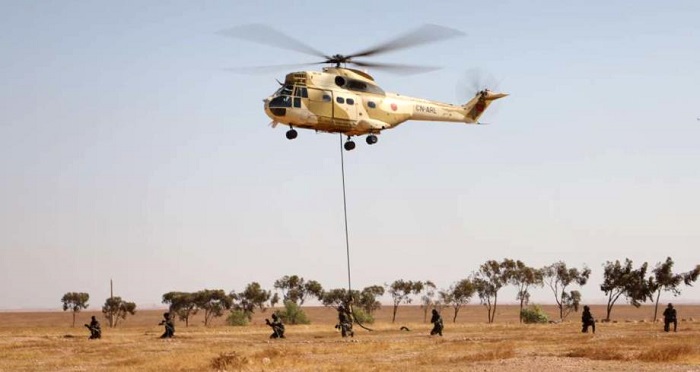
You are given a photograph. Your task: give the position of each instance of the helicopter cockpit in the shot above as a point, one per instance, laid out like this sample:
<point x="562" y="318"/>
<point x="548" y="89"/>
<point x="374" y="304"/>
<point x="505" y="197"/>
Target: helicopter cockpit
<point x="287" y="96"/>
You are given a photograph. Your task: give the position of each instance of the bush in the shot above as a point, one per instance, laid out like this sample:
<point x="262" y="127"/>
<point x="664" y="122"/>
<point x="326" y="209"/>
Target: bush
<point x="292" y="314"/>
<point x="237" y="318"/>
<point x="534" y="315"/>
<point x="362" y="316"/>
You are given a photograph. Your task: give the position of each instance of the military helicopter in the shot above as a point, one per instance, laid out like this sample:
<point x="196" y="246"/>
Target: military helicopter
<point x="339" y="99"/>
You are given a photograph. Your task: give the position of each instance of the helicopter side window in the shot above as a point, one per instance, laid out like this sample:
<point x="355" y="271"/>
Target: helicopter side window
<point x="326" y="98"/>
<point x="371" y="104"/>
<point x="350" y="101"/>
<point x="304" y="93"/>
<point x="340" y="99"/>
<point x="297" y="102"/>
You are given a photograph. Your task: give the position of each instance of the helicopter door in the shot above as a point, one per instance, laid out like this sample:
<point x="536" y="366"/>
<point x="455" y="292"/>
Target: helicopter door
<point x="321" y="104"/>
<point x="345" y="108"/>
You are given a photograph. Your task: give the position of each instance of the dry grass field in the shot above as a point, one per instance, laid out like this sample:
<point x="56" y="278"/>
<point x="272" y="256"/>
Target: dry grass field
<point x="44" y="341"/>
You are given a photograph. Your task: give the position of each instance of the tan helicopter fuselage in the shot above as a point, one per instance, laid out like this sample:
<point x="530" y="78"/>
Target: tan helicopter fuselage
<point x="348" y="101"/>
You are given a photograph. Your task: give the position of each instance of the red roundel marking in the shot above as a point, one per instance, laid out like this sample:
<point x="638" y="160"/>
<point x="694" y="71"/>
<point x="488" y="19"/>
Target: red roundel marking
<point x="393" y="107"/>
<point x="480" y="106"/>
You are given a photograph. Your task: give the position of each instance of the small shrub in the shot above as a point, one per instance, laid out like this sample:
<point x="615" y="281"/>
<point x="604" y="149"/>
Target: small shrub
<point x="362" y="317"/>
<point x="292" y="314"/>
<point x="534" y="315"/>
<point x="229" y="360"/>
<point x="237" y="318"/>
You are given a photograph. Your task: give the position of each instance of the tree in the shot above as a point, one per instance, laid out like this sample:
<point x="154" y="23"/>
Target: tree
<point x="368" y="298"/>
<point x="401" y="290"/>
<point x="490" y="278"/>
<point x="558" y="277"/>
<point x="252" y="297"/>
<point x="116" y="308"/>
<point x="213" y="302"/>
<point x="297" y="290"/>
<point x="458" y="295"/>
<point x="426" y="300"/>
<point x="181" y="304"/>
<point x="339" y="297"/>
<point x="523" y="277"/>
<point x="621" y="280"/>
<point x="663" y="279"/>
<point x="75" y="301"/>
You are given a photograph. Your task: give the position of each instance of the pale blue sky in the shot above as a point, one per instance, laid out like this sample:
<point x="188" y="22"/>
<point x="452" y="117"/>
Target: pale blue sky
<point x="129" y="153"/>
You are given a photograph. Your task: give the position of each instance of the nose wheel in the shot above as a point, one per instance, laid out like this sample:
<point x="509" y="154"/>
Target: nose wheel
<point x="291" y="134"/>
<point x="372" y="139"/>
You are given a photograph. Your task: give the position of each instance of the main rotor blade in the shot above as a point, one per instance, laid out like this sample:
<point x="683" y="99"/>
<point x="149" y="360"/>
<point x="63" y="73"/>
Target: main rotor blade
<point x="396" y="68"/>
<point x="266" y="35"/>
<point x="423" y="35"/>
<point x="269" y="68"/>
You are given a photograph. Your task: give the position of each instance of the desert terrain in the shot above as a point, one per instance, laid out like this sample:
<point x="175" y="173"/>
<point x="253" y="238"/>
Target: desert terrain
<point x="45" y="341"/>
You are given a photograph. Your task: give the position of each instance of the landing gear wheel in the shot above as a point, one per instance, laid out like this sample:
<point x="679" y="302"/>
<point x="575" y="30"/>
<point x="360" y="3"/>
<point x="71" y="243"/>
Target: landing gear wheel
<point x="372" y="139"/>
<point x="349" y="145"/>
<point x="291" y="134"/>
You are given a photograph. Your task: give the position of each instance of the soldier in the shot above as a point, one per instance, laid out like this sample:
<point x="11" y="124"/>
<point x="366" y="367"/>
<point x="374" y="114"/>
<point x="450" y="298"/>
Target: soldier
<point x="344" y="322"/>
<point x="587" y="320"/>
<point x="95" y="330"/>
<point x="436" y="319"/>
<point x="169" y="326"/>
<point x="277" y="327"/>
<point x="670" y="317"/>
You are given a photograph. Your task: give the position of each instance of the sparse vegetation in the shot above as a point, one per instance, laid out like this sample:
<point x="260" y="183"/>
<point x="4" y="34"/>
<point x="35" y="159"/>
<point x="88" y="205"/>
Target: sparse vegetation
<point x="36" y="342"/>
<point x="293" y="314"/>
<point x="237" y="318"/>
<point x="116" y="308"/>
<point x="75" y="302"/>
<point x="533" y="315"/>
<point x="558" y="277"/>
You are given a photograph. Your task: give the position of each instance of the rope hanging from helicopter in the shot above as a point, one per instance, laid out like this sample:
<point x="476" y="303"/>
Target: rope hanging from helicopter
<point x="347" y="238"/>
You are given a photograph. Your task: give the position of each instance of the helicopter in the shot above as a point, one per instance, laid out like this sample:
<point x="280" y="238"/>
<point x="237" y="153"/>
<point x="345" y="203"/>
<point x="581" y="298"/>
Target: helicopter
<point x="346" y="100"/>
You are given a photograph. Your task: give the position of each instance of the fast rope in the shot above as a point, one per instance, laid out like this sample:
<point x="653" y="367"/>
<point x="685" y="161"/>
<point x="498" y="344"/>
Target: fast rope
<point x="345" y="211"/>
<point x="347" y="239"/>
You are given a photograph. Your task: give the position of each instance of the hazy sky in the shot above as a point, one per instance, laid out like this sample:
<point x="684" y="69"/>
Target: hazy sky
<point x="128" y="152"/>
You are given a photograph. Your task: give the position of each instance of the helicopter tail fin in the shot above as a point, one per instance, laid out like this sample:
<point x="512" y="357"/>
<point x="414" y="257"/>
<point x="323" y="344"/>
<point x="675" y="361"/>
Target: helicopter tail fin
<point x="478" y="105"/>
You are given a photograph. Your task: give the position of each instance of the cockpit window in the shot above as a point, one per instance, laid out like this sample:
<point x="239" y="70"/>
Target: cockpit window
<point x="281" y="101"/>
<point x="326" y="98"/>
<point x="301" y="92"/>
<point x="285" y="90"/>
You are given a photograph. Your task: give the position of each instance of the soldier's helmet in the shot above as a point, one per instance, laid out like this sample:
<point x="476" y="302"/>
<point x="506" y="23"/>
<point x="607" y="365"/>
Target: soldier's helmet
<point x="274" y="316"/>
<point x="585" y="307"/>
<point x="93" y="317"/>
<point x="166" y="315"/>
<point x="434" y="311"/>
<point x="670" y="305"/>
<point x="341" y="308"/>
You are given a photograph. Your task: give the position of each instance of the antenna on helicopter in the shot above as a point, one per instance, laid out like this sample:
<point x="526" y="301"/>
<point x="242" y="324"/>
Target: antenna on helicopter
<point x="262" y="34"/>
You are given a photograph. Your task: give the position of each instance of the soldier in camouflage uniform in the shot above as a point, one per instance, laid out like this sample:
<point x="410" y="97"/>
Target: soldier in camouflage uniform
<point x="169" y="326"/>
<point x="277" y="326"/>
<point x="436" y="319"/>
<point x="670" y="317"/>
<point x="95" y="330"/>
<point x="587" y="320"/>
<point x="344" y="322"/>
